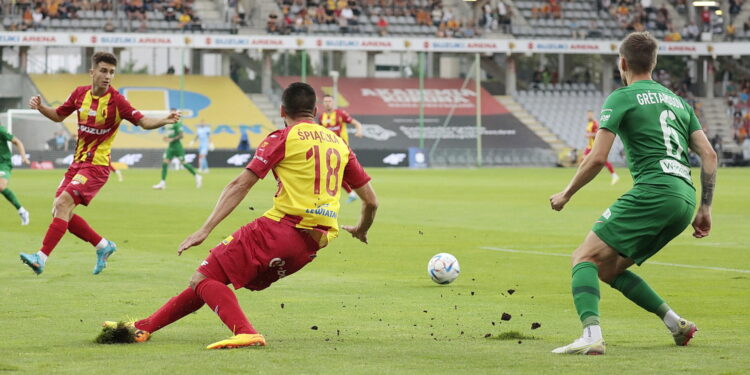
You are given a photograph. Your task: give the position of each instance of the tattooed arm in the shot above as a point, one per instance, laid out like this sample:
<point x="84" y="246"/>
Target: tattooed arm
<point x="701" y="146"/>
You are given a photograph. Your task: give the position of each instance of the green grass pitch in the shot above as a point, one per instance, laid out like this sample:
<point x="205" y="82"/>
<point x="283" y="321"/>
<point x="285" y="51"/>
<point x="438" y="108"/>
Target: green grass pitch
<point x="376" y="310"/>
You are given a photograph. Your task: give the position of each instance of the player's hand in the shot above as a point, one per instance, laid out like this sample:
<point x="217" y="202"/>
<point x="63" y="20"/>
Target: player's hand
<point x="173" y="117"/>
<point x="25" y="160"/>
<point x="356" y="232"/>
<point x="702" y="222"/>
<point x="358" y="134"/>
<point x="35" y="102"/>
<point x="558" y="201"/>
<point x="194" y="239"/>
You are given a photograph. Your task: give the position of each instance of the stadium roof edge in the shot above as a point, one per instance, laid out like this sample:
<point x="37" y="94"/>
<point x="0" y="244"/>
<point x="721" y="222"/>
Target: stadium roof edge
<point x="416" y="44"/>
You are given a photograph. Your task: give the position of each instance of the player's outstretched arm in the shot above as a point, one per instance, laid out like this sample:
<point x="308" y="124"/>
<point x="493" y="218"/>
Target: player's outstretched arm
<point x="21" y="150"/>
<point x="51" y="113"/>
<point x="367" y="216"/>
<point x="153" y="123"/>
<point x="589" y="168"/>
<point x="358" y="128"/>
<point x="230" y="197"/>
<point x="701" y="146"/>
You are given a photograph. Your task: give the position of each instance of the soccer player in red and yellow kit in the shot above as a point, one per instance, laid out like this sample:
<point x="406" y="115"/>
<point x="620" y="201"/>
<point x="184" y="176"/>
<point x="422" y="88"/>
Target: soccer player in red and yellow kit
<point x="310" y="164"/>
<point x="100" y="109"/>
<point x="592" y="126"/>
<point x="335" y="120"/>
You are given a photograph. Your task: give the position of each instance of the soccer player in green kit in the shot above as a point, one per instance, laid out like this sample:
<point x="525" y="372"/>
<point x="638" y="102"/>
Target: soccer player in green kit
<point x="657" y="127"/>
<point x="5" y="168"/>
<point x="175" y="150"/>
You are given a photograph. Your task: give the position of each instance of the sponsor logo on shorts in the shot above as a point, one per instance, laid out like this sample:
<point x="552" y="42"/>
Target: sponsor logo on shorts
<point x="79" y="179"/>
<point x="279" y="264"/>
<point x="227" y="240"/>
<point x="607" y="214"/>
<point x="204" y="263"/>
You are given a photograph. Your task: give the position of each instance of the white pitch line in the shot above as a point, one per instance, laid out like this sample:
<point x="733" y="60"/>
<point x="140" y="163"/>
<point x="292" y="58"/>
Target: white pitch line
<point x="657" y="263"/>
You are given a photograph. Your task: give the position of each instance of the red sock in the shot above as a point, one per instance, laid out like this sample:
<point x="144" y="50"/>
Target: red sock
<point x="82" y="230"/>
<point x="176" y="308"/>
<point x="55" y="232"/>
<point x="224" y="303"/>
<point x="609" y="167"/>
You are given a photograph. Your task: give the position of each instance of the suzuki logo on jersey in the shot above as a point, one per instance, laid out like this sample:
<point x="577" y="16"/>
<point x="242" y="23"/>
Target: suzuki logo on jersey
<point x="95" y="131"/>
<point x="278" y="263"/>
<point x="238" y="159"/>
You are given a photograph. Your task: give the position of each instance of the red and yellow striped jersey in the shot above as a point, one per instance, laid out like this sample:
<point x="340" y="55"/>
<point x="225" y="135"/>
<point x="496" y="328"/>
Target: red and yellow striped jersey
<point x="336" y="121"/>
<point x="591" y="127"/>
<point x="99" y="118"/>
<point x="309" y="163"/>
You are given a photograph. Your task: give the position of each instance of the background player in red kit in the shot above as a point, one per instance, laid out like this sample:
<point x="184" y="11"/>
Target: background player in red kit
<point x="310" y="163"/>
<point x="100" y="109"/>
<point x="592" y="126"/>
<point x="335" y="120"/>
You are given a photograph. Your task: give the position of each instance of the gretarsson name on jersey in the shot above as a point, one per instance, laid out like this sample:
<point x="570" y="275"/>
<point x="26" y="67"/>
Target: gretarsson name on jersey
<point x="658" y="97"/>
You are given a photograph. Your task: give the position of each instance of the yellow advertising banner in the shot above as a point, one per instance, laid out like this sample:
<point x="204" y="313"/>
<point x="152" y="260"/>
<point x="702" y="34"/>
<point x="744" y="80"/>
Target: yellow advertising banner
<point x="215" y="101"/>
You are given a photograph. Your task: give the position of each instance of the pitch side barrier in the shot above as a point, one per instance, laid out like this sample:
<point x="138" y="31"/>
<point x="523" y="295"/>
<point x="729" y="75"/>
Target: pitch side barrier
<point x="152" y="158"/>
<point x="272" y="42"/>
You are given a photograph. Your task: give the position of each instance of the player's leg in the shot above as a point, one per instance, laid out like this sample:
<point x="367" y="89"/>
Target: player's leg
<point x="164" y="167"/>
<point x="352" y="195"/>
<point x="189" y="168"/>
<point x="591" y="259"/>
<point x="62" y="211"/>
<point x="12" y="199"/>
<point x="612" y="172"/>
<point x="104" y="248"/>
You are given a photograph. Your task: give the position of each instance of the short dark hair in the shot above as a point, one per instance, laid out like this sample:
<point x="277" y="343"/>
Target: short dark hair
<point x="298" y="99"/>
<point x="327" y="96"/>
<point x="105" y="57"/>
<point x="639" y="51"/>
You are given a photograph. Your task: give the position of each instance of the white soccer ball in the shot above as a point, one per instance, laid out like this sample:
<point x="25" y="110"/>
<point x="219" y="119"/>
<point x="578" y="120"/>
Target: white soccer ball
<point x="443" y="268"/>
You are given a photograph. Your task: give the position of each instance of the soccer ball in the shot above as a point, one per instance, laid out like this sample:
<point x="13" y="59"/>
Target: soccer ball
<point x="443" y="268"/>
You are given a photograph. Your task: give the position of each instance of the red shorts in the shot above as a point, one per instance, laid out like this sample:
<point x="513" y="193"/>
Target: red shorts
<point x="258" y="254"/>
<point x="83" y="181"/>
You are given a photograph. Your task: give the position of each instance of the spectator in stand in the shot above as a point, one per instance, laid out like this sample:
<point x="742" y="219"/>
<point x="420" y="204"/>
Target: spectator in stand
<point x="503" y="15"/>
<point x="170" y="15"/>
<point x="691" y="31"/>
<point x="735" y="6"/>
<point x="673" y="35"/>
<point x="272" y="23"/>
<point x="746" y="26"/>
<point x="706" y="19"/>
<point x="382" y="26"/>
<point x="717" y="24"/>
<point x="184" y="20"/>
<point x="422" y="17"/>
<point x="109" y="27"/>
<point x="731" y="31"/>
<point x="437" y="16"/>
<point x="346" y="18"/>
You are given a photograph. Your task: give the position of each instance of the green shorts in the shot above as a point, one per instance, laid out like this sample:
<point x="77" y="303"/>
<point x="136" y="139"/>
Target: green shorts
<point x="174" y="152"/>
<point x="5" y="171"/>
<point x="640" y="223"/>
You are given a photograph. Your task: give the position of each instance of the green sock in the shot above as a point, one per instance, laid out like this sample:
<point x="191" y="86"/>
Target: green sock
<point x="8" y="194"/>
<point x="638" y="291"/>
<point x="189" y="168"/>
<point x="164" y="167"/>
<point x="586" y="292"/>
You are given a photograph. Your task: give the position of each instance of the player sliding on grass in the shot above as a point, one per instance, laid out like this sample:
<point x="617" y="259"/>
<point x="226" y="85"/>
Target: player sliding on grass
<point x="310" y="163"/>
<point x="5" y="168"/>
<point x="656" y="127"/>
<point x="99" y="110"/>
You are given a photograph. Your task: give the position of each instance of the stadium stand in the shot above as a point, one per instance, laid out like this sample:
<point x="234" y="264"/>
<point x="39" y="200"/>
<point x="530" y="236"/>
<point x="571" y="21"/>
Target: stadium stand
<point x="148" y="16"/>
<point x="370" y="18"/>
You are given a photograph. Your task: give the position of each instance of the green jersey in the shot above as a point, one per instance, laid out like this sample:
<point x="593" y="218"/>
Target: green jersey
<point x="5" y="137"/>
<point x="655" y="125"/>
<point x="175" y="130"/>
